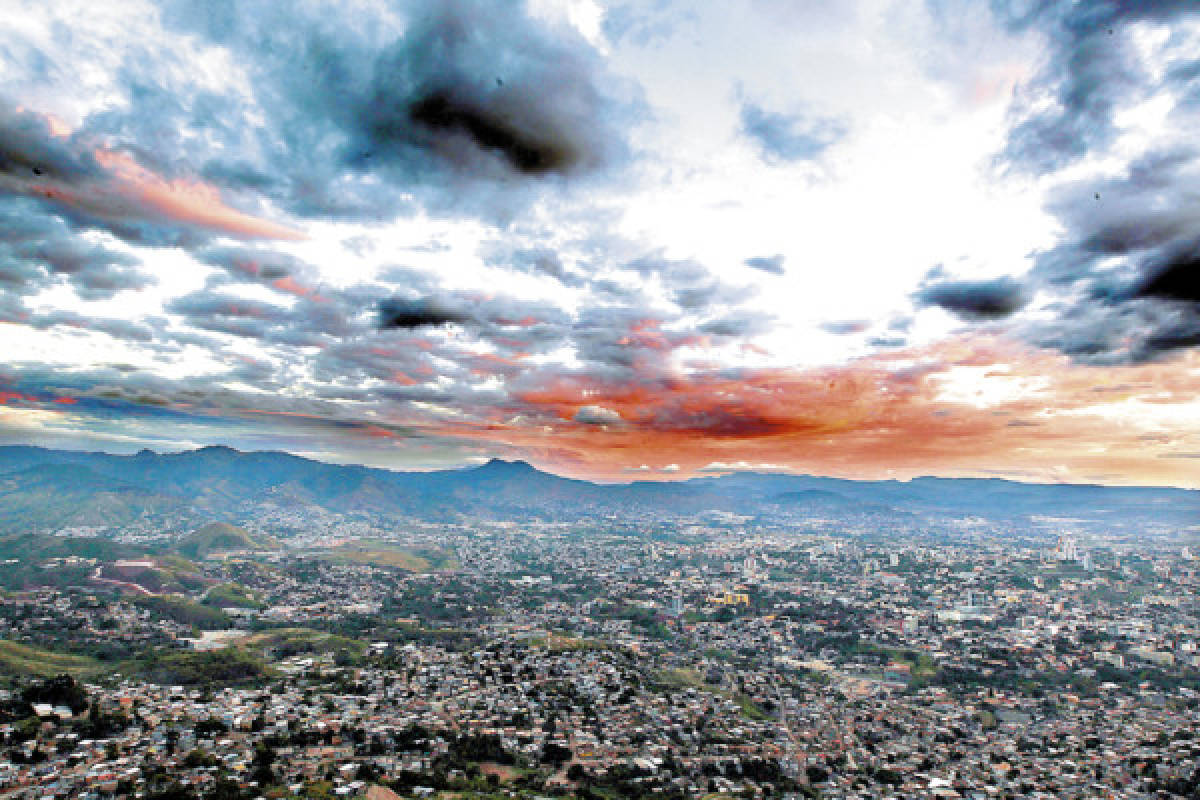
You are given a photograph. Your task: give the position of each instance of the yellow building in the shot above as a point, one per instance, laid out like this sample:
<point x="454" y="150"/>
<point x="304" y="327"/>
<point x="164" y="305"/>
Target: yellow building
<point x="728" y="598"/>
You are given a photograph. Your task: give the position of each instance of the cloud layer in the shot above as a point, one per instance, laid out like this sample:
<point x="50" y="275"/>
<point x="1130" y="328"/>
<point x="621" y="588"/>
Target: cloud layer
<point x="614" y="240"/>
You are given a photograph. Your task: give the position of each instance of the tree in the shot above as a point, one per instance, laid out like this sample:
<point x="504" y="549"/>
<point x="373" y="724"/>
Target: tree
<point x="225" y="789"/>
<point x="556" y="754"/>
<point x="207" y="728"/>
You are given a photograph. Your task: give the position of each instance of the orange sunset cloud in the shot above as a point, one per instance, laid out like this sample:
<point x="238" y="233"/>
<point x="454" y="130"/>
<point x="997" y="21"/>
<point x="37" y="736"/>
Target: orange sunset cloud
<point x="970" y="406"/>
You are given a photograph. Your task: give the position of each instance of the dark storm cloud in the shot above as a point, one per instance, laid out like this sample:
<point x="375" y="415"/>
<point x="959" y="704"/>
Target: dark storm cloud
<point x="29" y="151"/>
<point x="772" y="264"/>
<point x="1117" y="333"/>
<point x="1092" y="69"/>
<point x="469" y="79"/>
<point x="413" y="314"/>
<point x="1175" y="277"/>
<point x="458" y="102"/>
<point x="802" y="136"/>
<point x="974" y="300"/>
<point x="1123" y="277"/>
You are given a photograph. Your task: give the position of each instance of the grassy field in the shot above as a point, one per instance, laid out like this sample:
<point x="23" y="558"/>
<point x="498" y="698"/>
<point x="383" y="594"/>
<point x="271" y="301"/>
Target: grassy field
<point x="22" y="659"/>
<point x="750" y="709"/>
<point x="682" y="679"/>
<point x="293" y="641"/>
<point x="378" y="558"/>
<point x="385" y="554"/>
<point x="562" y="644"/>
<point x="231" y="595"/>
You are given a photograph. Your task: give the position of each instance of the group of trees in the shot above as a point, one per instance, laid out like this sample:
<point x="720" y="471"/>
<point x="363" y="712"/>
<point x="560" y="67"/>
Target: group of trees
<point x="226" y="667"/>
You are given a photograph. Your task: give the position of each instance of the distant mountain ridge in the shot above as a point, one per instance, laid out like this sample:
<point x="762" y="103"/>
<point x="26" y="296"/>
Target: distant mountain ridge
<point x="47" y="489"/>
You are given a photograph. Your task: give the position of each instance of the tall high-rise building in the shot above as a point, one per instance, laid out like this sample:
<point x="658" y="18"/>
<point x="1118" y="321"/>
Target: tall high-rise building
<point x="677" y="604"/>
<point x="1068" y="550"/>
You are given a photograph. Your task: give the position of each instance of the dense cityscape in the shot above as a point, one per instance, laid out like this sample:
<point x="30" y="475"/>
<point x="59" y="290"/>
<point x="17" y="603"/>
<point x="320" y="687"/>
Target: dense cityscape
<point x="711" y="656"/>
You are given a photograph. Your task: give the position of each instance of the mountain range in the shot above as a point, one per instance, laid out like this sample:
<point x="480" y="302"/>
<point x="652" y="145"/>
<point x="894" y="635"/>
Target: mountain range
<point x="43" y="489"/>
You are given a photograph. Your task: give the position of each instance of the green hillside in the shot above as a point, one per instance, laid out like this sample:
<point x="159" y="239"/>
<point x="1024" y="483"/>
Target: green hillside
<point x="24" y="558"/>
<point x="185" y="612"/>
<point x="22" y="659"/>
<point x="231" y="595"/>
<point x="220" y="537"/>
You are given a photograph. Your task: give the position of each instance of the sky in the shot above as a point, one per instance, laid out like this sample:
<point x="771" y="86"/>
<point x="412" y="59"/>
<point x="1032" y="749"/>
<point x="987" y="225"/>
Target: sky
<point x="621" y="240"/>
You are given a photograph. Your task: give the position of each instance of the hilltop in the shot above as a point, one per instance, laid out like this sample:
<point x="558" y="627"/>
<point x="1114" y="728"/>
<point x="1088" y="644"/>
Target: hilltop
<point x="217" y="537"/>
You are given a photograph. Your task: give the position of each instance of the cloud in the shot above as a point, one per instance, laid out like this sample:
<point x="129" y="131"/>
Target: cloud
<point x="974" y="300"/>
<point x="465" y="81"/>
<point x="32" y="151"/>
<point x="645" y="24"/>
<point x="737" y="325"/>
<point x="92" y="185"/>
<point x="532" y="260"/>
<point x="690" y="284"/>
<point x="597" y="415"/>
<point x="306" y="321"/>
<point x="279" y="271"/>
<point x="465" y="105"/>
<point x="771" y="264"/>
<point x="742" y="466"/>
<point x="126" y="330"/>
<point x="1122" y="275"/>
<point x="398" y="313"/>
<point x="1116" y="287"/>
<point x="37" y="249"/>
<point x="1175" y="277"/>
<point x="780" y="137"/>
<point x="1094" y="67"/>
<point x="845" y="327"/>
<point x="877" y="416"/>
